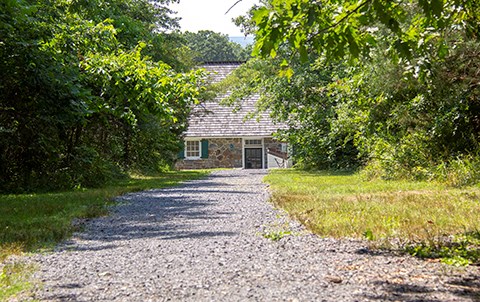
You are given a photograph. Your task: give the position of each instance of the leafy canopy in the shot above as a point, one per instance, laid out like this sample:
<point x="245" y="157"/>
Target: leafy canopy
<point x="402" y="103"/>
<point x="209" y="46"/>
<point x="89" y="89"/>
<point x="339" y="28"/>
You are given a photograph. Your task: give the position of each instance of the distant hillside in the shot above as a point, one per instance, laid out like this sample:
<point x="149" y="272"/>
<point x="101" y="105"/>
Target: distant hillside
<point x="244" y="41"/>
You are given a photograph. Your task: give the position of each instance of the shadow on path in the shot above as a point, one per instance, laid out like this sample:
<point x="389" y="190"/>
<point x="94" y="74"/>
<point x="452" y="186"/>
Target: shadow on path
<point x="182" y="212"/>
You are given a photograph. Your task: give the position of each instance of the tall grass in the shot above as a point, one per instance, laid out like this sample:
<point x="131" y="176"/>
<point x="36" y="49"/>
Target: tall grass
<point x="463" y="170"/>
<point x="404" y="212"/>
<point x="14" y="278"/>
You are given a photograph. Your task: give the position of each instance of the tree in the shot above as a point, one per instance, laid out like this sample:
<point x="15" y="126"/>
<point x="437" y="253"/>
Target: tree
<point x="338" y="28"/>
<point x="413" y="128"/>
<point x="209" y="46"/>
<point x="408" y="109"/>
<point x="79" y="95"/>
<point x="307" y="101"/>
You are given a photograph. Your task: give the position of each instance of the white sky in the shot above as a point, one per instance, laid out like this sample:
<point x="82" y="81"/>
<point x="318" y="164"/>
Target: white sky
<point x="210" y="15"/>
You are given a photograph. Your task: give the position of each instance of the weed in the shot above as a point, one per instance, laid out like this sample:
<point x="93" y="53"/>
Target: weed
<point x="459" y="172"/>
<point x="458" y="250"/>
<point x="276" y="235"/>
<point x="368" y="234"/>
<point x="277" y="230"/>
<point x="14" y="278"/>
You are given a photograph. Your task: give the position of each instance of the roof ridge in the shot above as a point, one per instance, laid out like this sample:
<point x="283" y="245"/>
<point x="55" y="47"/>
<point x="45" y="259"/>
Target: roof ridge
<point x="224" y="62"/>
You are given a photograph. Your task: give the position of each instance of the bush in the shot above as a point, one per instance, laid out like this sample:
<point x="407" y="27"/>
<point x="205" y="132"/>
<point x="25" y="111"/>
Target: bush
<point x="462" y="171"/>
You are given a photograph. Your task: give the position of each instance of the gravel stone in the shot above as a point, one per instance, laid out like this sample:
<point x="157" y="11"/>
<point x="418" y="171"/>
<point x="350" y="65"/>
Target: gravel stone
<point x="212" y="240"/>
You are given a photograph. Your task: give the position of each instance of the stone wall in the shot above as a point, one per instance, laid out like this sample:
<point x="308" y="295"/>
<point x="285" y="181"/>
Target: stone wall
<point x="222" y="153"/>
<point x="225" y="153"/>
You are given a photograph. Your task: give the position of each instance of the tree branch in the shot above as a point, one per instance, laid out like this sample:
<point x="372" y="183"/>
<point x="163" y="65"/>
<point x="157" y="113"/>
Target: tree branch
<point x="238" y="1"/>
<point x="341" y="20"/>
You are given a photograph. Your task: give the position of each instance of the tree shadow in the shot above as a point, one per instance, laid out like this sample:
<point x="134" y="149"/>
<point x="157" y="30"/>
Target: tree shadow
<point x="402" y="292"/>
<point x="465" y="286"/>
<point x="182" y="212"/>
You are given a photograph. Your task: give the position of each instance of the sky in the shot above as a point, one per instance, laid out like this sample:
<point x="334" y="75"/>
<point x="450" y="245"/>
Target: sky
<point x="210" y="15"/>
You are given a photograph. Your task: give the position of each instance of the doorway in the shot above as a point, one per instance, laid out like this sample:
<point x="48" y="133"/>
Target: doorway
<point x="253" y="158"/>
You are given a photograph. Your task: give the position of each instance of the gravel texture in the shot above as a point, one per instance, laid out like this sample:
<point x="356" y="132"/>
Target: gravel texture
<point x="212" y="240"/>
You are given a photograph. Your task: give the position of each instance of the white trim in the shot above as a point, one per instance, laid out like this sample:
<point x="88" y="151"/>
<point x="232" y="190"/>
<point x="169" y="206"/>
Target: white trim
<point x="199" y="157"/>
<point x="243" y="154"/>
<point x="190" y="138"/>
<point x="251" y="140"/>
<point x="253" y="147"/>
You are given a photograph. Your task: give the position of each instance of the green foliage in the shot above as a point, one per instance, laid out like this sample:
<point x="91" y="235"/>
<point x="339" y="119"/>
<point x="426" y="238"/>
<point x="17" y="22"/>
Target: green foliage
<point x="276" y="236"/>
<point x="83" y="89"/>
<point x="338" y="28"/>
<point x="404" y="103"/>
<point x="308" y="103"/>
<point x="277" y="230"/>
<point x="14" y="278"/>
<point x="416" y="128"/>
<point x="368" y="234"/>
<point x="458" y="172"/>
<point x="209" y="46"/>
<point x="458" y="250"/>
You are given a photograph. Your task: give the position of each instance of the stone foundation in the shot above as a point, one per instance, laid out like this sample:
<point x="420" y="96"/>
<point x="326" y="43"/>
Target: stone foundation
<point x="225" y="153"/>
<point x="222" y="153"/>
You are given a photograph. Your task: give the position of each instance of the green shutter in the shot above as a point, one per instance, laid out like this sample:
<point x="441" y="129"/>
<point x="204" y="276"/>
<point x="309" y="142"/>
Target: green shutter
<point x="204" y="148"/>
<point x="181" y="153"/>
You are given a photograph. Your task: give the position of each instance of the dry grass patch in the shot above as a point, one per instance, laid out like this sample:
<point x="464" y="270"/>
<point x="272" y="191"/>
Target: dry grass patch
<point x="345" y="205"/>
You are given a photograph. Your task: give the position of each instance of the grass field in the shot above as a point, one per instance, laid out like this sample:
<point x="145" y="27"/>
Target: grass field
<point x="425" y="219"/>
<point x="31" y="222"/>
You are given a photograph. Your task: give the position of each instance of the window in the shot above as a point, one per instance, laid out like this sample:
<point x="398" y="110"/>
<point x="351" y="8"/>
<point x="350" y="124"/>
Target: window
<point x="253" y="142"/>
<point x="195" y="149"/>
<point x="192" y="149"/>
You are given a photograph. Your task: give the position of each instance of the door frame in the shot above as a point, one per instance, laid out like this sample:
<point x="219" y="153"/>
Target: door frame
<point x="244" y="146"/>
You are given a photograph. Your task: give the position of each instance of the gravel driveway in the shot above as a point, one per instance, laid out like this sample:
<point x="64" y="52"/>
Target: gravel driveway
<point x="211" y="240"/>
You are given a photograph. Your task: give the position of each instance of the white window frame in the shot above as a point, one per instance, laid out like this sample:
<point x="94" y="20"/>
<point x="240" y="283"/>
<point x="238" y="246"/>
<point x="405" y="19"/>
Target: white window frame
<point x="245" y="145"/>
<point x="248" y="142"/>
<point x="199" y="149"/>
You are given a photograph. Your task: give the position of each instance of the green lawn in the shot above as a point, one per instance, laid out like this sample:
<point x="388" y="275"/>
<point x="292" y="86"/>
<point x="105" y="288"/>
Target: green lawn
<point x="417" y="216"/>
<point x="29" y="222"/>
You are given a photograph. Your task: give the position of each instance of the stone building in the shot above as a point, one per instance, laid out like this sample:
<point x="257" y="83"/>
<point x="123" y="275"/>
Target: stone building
<point x="221" y="136"/>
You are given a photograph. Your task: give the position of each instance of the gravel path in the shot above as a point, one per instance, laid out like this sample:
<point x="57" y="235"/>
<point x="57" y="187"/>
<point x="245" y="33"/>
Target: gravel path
<point x="206" y="241"/>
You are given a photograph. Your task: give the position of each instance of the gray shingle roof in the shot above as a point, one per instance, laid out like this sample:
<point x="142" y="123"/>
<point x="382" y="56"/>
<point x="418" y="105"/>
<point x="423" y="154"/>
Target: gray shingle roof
<point x="211" y="119"/>
<point x="220" y="70"/>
